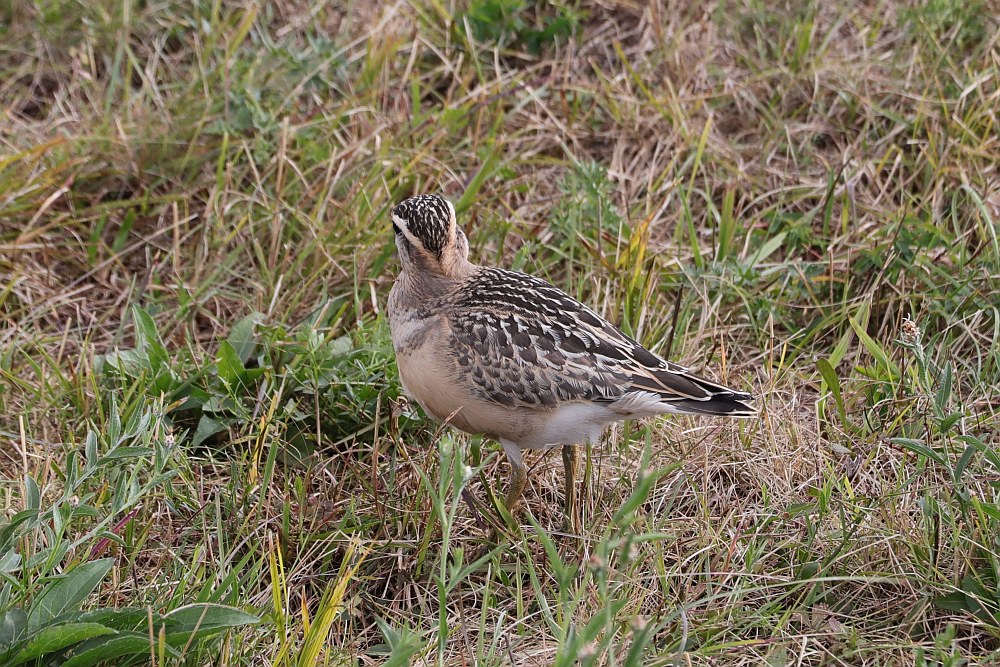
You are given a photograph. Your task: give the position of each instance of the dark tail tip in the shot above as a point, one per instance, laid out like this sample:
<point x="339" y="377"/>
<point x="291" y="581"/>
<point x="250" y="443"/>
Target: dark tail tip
<point x="728" y="405"/>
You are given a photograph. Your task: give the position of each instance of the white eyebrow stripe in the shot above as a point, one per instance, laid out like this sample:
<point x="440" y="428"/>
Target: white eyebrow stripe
<point x="401" y="224"/>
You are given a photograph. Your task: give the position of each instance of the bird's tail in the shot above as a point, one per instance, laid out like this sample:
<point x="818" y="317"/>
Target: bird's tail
<point x="731" y="405"/>
<point x="680" y="391"/>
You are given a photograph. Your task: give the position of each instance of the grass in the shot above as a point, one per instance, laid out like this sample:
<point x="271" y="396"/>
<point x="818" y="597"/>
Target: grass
<point x="197" y="387"/>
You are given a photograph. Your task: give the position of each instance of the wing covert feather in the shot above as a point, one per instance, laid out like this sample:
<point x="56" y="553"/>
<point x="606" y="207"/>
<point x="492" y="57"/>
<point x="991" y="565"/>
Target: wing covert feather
<point x="525" y="342"/>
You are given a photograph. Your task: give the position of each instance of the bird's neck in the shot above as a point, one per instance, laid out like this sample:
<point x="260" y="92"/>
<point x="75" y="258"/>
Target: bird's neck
<point x="433" y="282"/>
<point x="455" y="267"/>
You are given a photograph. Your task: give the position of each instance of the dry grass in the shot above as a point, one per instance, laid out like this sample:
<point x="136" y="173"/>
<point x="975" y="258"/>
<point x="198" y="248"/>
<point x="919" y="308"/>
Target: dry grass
<point x="766" y="193"/>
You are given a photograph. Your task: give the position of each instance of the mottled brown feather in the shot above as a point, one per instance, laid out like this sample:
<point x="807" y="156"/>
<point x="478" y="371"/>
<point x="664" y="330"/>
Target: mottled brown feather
<point x="524" y="342"/>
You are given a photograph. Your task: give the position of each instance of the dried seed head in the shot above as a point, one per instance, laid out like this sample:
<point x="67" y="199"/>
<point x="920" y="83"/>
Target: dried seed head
<point x="909" y="332"/>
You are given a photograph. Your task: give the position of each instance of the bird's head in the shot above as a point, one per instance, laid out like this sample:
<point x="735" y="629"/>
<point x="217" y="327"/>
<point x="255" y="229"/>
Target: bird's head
<point x="427" y="235"/>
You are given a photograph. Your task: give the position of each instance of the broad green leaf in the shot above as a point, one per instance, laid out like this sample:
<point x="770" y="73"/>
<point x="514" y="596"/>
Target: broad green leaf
<point x="68" y="591"/>
<point x="207" y="615"/>
<point x="113" y="429"/>
<point x="107" y="648"/>
<point x="963" y="462"/>
<point x="123" y="619"/>
<point x="207" y="427"/>
<point x="989" y="453"/>
<point x="90" y="449"/>
<point x="230" y="366"/>
<point x="12" y="625"/>
<point x="129" y="362"/>
<point x="47" y="555"/>
<point x="833" y="384"/>
<point x="86" y="510"/>
<point x="340" y="346"/>
<point x="403" y="644"/>
<point x="120" y="453"/>
<point x="943" y="395"/>
<point x="243" y="337"/>
<point x="32" y="495"/>
<point x="768" y="247"/>
<point x="946" y="422"/>
<point x="956" y="601"/>
<point x="919" y="447"/>
<point x="148" y="338"/>
<point x="56" y="638"/>
<point x="10" y="561"/>
<point x="8" y="531"/>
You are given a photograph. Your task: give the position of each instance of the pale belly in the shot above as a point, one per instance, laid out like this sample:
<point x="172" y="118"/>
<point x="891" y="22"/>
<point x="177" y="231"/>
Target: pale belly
<point x="432" y="378"/>
<point x="449" y="399"/>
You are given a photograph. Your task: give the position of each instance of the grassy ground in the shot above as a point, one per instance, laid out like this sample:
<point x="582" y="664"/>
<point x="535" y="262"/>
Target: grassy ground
<point x="196" y="385"/>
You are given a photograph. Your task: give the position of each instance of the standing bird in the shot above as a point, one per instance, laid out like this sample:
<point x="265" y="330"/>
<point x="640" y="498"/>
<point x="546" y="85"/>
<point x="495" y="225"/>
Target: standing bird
<point x="510" y="356"/>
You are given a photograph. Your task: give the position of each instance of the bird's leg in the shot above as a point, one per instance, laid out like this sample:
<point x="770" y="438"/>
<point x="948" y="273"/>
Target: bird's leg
<point x="518" y="480"/>
<point x="518" y="477"/>
<point x="571" y="460"/>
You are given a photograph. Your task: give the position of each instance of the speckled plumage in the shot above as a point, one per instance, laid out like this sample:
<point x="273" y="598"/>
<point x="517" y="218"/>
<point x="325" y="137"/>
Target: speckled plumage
<point x="513" y="357"/>
<point x="527" y="343"/>
<point x="423" y="214"/>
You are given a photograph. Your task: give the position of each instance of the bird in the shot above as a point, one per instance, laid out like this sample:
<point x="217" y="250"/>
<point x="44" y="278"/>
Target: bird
<point x="510" y="356"/>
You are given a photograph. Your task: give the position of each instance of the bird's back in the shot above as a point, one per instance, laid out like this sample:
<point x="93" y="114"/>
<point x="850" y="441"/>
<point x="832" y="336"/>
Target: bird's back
<point x="524" y="342"/>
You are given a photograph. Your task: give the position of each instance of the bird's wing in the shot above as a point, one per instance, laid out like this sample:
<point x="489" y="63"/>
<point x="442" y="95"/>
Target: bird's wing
<point x="524" y="342"/>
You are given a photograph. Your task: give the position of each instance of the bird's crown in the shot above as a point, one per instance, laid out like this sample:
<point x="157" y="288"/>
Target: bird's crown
<point x="428" y="219"/>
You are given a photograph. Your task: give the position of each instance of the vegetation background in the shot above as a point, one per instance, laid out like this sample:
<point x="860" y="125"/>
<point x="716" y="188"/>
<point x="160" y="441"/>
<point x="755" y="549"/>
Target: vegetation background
<point x="204" y="459"/>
